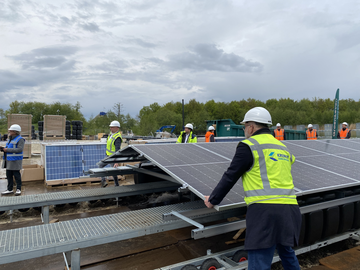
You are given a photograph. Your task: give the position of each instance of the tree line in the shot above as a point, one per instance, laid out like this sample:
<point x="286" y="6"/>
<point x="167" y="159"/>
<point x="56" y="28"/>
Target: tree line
<point x="150" y="118"/>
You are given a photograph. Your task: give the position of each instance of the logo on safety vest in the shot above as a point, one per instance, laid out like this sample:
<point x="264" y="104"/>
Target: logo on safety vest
<point x="279" y="156"/>
<point x="271" y="156"/>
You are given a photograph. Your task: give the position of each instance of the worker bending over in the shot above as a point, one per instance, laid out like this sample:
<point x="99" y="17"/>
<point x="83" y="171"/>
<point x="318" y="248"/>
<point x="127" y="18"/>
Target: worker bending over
<point x="113" y="144"/>
<point x="273" y="218"/>
<point x="187" y="135"/>
<point x="344" y="133"/>
<point x="279" y="133"/>
<point x="311" y="133"/>
<point x="209" y="136"/>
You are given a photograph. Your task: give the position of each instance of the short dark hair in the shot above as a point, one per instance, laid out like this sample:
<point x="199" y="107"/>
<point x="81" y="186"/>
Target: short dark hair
<point x="261" y="125"/>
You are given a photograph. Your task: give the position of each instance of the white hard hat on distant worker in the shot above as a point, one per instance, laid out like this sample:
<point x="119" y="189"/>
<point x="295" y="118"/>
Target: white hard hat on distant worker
<point x="258" y="115"/>
<point x="310" y="125"/>
<point x="189" y="126"/>
<point x="114" y="124"/>
<point x="346" y="124"/>
<point x="211" y="128"/>
<point x="278" y="125"/>
<point x="15" y="127"/>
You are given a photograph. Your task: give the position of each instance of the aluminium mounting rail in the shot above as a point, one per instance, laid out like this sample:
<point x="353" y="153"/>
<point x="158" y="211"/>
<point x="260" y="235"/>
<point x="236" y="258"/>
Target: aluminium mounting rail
<point x="45" y="199"/>
<point x="47" y="239"/>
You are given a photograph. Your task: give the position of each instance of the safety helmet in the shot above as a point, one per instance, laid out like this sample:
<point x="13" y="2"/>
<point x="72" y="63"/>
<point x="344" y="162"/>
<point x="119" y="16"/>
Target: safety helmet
<point x="346" y="124"/>
<point x="114" y="124"/>
<point x="258" y="115"/>
<point x="211" y="128"/>
<point x="189" y="126"/>
<point x="278" y="125"/>
<point x="310" y="125"/>
<point x="15" y="127"/>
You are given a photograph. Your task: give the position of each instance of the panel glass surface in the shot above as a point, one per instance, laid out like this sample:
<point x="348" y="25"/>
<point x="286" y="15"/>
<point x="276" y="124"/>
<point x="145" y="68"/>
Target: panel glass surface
<point x="224" y="149"/>
<point x="326" y="146"/>
<point x="301" y="150"/>
<point x="307" y="177"/>
<point x="204" y="179"/>
<point x="178" y="154"/>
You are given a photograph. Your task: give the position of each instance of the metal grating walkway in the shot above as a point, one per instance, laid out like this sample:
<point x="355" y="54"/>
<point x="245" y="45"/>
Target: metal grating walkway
<point x="53" y="198"/>
<point x="42" y="240"/>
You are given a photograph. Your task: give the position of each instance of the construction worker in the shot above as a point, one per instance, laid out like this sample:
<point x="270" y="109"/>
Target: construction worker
<point x="12" y="159"/>
<point x="344" y="133"/>
<point x="209" y="136"/>
<point x="311" y="134"/>
<point x="273" y="218"/>
<point x="187" y="135"/>
<point x="113" y="144"/>
<point x="279" y="133"/>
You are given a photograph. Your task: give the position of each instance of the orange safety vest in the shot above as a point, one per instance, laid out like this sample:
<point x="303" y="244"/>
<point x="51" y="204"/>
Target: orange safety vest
<point x="279" y="134"/>
<point x="208" y="135"/>
<point x="344" y="133"/>
<point x="311" y="135"/>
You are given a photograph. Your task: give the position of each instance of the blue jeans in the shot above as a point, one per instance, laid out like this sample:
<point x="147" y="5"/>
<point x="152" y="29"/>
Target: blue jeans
<point x="261" y="259"/>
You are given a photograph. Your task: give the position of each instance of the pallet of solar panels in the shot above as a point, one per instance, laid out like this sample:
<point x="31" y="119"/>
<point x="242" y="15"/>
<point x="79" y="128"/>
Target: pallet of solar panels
<point x="77" y="129"/>
<point x="54" y="127"/>
<point x="41" y="130"/>
<point x="68" y="130"/>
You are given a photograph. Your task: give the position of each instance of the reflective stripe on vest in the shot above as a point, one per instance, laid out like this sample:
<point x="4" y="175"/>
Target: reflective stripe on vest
<point x="344" y="133"/>
<point x="13" y="144"/>
<point x="279" y="134"/>
<point x="110" y="143"/>
<point x="262" y="183"/>
<point x="311" y="135"/>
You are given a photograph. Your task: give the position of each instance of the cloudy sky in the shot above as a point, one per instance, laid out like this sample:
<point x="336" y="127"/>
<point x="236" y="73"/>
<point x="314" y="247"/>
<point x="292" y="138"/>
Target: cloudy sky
<point x="100" y="52"/>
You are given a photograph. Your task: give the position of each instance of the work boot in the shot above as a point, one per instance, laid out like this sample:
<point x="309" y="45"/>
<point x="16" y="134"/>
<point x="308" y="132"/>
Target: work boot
<point x="103" y="183"/>
<point x="7" y="192"/>
<point x="18" y="192"/>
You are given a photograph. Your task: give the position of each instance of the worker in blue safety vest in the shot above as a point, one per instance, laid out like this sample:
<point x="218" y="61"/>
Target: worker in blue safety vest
<point x="12" y="159"/>
<point x="273" y="218"/>
<point x="113" y="144"/>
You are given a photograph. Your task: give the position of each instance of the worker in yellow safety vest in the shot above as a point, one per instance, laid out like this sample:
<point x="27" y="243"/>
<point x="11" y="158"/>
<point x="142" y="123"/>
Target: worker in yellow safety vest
<point x="113" y="144"/>
<point x="273" y="218"/>
<point x="344" y="133"/>
<point x="187" y="135"/>
<point x="279" y="133"/>
<point x="311" y="133"/>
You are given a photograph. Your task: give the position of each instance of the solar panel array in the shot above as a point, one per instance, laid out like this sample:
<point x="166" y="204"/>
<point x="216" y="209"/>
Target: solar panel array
<point x="66" y="161"/>
<point x="320" y="165"/>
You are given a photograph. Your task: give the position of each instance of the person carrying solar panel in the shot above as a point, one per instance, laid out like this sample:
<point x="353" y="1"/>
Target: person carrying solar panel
<point x="210" y="136"/>
<point x="344" y="133"/>
<point x="311" y="133"/>
<point x="113" y="144"/>
<point x="273" y="218"/>
<point x="279" y="133"/>
<point x="187" y="136"/>
<point x="12" y="159"/>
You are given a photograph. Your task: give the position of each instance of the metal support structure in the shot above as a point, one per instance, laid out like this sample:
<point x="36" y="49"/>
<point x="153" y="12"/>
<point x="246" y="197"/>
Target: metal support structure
<point x="11" y="212"/>
<point x="217" y="229"/>
<point x="156" y="174"/>
<point x="72" y="259"/>
<point x="45" y="216"/>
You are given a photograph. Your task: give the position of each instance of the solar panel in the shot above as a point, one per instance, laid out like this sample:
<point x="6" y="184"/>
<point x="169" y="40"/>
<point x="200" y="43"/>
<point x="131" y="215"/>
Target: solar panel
<point x="66" y="161"/>
<point x="321" y="165"/>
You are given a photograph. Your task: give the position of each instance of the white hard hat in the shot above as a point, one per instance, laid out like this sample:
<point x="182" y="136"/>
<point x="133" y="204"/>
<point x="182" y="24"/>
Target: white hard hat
<point x="114" y="124"/>
<point x="345" y="123"/>
<point x="189" y="126"/>
<point x="15" y="127"/>
<point x="258" y="115"/>
<point x="211" y="128"/>
<point x="278" y="125"/>
<point x="310" y="125"/>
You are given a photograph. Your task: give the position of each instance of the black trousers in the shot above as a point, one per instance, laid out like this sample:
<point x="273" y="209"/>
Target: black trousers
<point x="10" y="174"/>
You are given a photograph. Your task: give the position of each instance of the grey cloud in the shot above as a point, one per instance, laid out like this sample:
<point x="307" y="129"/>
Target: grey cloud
<point x="141" y="42"/>
<point x="208" y="57"/>
<point x="48" y="57"/>
<point x="91" y="27"/>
